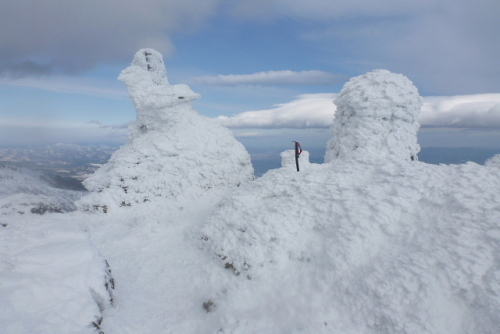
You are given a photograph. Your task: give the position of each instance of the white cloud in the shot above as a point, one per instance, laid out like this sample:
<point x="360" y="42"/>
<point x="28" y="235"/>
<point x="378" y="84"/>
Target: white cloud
<point x="308" y="111"/>
<point x="463" y="111"/>
<point x="317" y="111"/>
<point x="282" y="78"/>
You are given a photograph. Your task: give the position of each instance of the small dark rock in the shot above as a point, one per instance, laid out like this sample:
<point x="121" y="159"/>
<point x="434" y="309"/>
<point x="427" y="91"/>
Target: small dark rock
<point x="209" y="306"/>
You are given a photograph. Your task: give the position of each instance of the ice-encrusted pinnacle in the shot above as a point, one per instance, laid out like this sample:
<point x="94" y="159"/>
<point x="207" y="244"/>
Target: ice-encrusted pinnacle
<point x="151" y="61"/>
<point x="376" y="118"/>
<point x="155" y="100"/>
<point x="173" y="154"/>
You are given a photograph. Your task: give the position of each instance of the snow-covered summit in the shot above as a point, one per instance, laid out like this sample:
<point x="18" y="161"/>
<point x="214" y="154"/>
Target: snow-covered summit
<point x="173" y="151"/>
<point x="366" y="243"/>
<point x="376" y="118"/>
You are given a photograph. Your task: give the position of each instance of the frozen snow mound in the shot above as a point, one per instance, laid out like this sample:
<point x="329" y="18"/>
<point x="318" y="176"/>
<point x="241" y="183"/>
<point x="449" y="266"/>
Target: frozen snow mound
<point x="23" y="191"/>
<point x="173" y="153"/>
<point x="350" y="247"/>
<point x="376" y="118"/>
<point x="53" y="280"/>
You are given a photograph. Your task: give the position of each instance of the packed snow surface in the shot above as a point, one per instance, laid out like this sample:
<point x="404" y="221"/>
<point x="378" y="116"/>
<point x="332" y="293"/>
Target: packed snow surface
<point x="370" y="242"/>
<point x="52" y="278"/>
<point x="173" y="153"/>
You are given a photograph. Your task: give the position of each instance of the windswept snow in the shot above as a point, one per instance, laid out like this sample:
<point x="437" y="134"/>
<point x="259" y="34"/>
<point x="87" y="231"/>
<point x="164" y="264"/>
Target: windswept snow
<point x="173" y="153"/>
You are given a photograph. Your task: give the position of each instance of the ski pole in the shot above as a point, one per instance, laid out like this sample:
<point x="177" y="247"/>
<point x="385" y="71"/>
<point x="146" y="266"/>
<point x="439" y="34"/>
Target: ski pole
<point x="298" y="150"/>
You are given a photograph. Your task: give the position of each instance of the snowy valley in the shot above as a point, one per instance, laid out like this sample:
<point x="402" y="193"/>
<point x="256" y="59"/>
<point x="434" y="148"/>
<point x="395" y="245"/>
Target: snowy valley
<point x="176" y="235"/>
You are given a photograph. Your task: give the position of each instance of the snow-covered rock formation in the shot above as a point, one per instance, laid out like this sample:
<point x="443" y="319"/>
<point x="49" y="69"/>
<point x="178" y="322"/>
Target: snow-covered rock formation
<point x="173" y="152"/>
<point x="362" y="244"/>
<point x="376" y="118"/>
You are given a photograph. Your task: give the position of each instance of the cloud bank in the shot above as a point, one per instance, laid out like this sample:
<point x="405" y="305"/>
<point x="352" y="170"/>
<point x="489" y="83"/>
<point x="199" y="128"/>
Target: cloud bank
<point x="466" y="111"/>
<point x="318" y="110"/>
<point x="70" y="85"/>
<point x="42" y="37"/>
<point x="41" y="132"/>
<point x="308" y="111"/>
<point x="280" y="78"/>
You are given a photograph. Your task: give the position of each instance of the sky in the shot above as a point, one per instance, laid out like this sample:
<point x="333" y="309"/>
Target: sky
<point x="268" y="69"/>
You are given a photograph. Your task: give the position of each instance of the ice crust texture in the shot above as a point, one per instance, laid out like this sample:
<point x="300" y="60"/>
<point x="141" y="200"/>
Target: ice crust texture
<point x="376" y="118"/>
<point x="365" y="248"/>
<point x="173" y="151"/>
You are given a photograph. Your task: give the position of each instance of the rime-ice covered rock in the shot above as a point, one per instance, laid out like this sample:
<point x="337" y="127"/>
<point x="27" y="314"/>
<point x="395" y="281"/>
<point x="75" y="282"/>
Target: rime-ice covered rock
<point x="173" y="152"/>
<point x="363" y="248"/>
<point x="376" y="118"/>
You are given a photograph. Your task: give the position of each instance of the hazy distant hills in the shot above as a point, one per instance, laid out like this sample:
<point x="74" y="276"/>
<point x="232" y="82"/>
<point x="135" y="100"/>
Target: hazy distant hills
<point x="68" y="165"/>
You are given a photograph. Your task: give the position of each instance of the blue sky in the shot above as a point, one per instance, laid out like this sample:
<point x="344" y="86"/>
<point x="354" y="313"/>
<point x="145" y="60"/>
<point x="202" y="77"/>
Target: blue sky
<point x="59" y="61"/>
